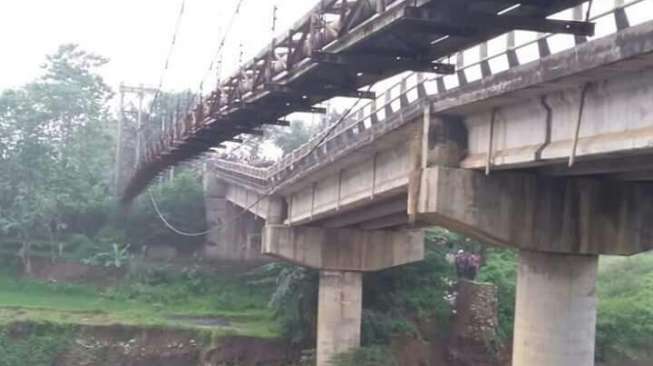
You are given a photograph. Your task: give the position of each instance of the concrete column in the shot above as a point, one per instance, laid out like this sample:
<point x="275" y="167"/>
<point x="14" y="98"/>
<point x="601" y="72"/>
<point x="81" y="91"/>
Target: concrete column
<point x="276" y="214"/>
<point x="555" y="317"/>
<point x="339" y="314"/>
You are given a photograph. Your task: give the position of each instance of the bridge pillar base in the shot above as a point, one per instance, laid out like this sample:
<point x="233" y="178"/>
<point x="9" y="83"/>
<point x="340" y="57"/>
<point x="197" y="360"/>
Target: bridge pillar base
<point x="555" y="315"/>
<point x="339" y="314"/>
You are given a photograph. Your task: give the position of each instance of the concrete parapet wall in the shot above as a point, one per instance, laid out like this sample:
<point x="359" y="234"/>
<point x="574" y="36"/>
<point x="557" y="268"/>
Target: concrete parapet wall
<point x="383" y="174"/>
<point x="617" y="118"/>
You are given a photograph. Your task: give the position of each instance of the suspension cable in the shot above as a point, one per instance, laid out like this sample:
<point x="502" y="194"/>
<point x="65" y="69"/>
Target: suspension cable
<point x="216" y="61"/>
<point x="166" y="65"/>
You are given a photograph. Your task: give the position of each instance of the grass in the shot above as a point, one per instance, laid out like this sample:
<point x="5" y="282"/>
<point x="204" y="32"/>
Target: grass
<point x="139" y="304"/>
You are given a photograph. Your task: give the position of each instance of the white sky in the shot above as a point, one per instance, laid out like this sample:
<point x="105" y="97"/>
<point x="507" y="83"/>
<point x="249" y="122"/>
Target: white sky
<point x="135" y="35"/>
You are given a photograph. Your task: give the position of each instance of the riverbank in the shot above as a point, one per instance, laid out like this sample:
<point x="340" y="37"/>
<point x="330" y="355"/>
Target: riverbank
<point x="181" y="318"/>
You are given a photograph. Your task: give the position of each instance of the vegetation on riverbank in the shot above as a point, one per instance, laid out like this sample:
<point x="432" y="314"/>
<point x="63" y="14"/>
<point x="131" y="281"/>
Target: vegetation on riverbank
<point x="37" y="345"/>
<point x="157" y="298"/>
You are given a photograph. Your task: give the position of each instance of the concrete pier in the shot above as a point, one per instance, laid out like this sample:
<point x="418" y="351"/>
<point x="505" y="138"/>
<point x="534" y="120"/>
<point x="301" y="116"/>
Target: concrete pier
<point x="339" y="314"/>
<point x="555" y="315"/>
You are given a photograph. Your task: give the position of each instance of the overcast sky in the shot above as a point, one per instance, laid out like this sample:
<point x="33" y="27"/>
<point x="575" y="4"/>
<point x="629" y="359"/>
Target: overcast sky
<point x="135" y="35"/>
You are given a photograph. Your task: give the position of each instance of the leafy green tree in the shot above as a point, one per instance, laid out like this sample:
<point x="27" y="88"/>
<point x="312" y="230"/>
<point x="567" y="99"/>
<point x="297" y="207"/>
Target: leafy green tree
<point x="55" y="152"/>
<point x="300" y="132"/>
<point x="294" y="301"/>
<point x="290" y="138"/>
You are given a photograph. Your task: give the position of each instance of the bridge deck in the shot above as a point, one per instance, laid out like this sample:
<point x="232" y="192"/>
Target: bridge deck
<point x="360" y="146"/>
<point x="335" y="50"/>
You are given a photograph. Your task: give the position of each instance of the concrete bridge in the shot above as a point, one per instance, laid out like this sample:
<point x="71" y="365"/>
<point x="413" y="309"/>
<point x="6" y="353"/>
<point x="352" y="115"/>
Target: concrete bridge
<point x="548" y="151"/>
<point x="542" y="145"/>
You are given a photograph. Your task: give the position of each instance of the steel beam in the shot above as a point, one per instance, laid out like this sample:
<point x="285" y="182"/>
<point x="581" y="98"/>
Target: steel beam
<point x="322" y="90"/>
<point x="372" y="62"/>
<point x="277" y="123"/>
<point x="474" y="23"/>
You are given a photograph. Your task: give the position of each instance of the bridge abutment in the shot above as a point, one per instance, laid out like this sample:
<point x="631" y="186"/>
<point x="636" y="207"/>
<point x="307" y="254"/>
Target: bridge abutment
<point x="555" y="318"/>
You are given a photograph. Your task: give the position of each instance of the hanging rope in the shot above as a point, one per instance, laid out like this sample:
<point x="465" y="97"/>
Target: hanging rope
<point x="166" y="67"/>
<point x="169" y="225"/>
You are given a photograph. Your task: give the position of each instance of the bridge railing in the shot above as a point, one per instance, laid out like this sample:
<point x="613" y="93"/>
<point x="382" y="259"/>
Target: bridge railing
<point x="478" y="62"/>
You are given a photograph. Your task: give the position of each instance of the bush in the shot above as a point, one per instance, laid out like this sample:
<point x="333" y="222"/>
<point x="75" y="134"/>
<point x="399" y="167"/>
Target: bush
<point x="501" y="269"/>
<point x="294" y="302"/>
<point x="378" y="327"/>
<point x="33" y="344"/>
<point x="367" y="356"/>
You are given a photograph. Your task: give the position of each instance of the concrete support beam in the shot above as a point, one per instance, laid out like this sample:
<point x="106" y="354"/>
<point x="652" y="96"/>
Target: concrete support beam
<point x="339" y="314"/>
<point x="560" y="215"/>
<point x="343" y="249"/>
<point x="555" y="319"/>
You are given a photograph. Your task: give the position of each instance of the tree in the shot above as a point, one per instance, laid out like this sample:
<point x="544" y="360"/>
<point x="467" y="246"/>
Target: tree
<point x="54" y="152"/>
<point x="300" y="132"/>
<point x="290" y="138"/>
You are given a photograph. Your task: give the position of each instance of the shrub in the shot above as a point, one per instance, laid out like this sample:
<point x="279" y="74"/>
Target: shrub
<point x="501" y="269"/>
<point x="294" y="302"/>
<point x="379" y="327"/>
<point x="367" y="356"/>
<point x="33" y="344"/>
